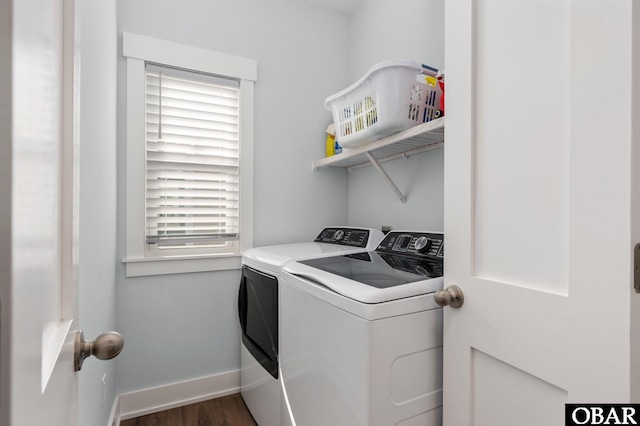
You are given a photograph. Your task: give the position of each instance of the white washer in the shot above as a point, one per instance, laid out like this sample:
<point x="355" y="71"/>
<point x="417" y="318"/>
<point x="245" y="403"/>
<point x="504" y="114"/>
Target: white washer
<point x="366" y="346"/>
<point x="258" y="302"/>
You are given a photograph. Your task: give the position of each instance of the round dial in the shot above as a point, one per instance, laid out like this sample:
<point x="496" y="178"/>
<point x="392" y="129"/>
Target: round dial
<point x="424" y="269"/>
<point x="338" y="234"/>
<point x="423" y="244"/>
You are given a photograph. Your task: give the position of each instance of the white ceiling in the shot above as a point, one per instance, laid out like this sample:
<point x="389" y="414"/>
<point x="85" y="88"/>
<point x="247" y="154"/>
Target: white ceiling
<point x="341" y="5"/>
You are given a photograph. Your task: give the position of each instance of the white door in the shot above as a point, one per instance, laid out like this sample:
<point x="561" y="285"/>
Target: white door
<point x="38" y="380"/>
<point x="538" y="208"/>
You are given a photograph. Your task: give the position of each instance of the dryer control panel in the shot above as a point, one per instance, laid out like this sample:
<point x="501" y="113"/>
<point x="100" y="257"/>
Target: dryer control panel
<point x="413" y="243"/>
<point x="344" y="236"/>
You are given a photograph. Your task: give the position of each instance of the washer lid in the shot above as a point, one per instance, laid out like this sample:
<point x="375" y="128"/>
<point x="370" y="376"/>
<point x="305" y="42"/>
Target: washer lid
<point x="371" y="277"/>
<point x="380" y="270"/>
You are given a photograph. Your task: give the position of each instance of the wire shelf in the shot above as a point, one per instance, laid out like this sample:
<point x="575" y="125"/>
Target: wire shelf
<point x="422" y="137"/>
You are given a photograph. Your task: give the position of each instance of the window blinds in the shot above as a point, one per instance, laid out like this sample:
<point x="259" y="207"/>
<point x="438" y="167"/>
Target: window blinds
<point x="192" y="158"/>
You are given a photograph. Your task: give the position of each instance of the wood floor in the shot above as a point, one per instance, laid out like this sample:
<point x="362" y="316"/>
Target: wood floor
<point x="226" y="411"/>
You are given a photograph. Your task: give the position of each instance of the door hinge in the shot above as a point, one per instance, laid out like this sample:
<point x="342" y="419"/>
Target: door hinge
<point x="636" y="268"/>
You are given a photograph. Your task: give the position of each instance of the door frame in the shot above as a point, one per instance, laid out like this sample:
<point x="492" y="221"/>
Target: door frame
<point x="6" y="64"/>
<point x="69" y="195"/>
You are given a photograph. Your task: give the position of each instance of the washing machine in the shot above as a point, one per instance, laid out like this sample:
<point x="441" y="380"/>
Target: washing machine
<point x="258" y="309"/>
<point x="366" y="344"/>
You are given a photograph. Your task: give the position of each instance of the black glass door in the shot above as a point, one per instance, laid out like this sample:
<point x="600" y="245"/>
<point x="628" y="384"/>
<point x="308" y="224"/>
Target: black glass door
<point x="258" y="311"/>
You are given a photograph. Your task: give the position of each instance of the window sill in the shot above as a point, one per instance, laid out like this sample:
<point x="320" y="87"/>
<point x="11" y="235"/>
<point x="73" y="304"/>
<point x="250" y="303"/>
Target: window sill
<point x="140" y="267"/>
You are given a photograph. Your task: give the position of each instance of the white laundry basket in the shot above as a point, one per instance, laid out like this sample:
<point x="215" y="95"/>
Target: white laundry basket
<point x="392" y="96"/>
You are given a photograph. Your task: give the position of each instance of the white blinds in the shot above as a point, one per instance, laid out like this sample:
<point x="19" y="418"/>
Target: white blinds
<point x="191" y="158"/>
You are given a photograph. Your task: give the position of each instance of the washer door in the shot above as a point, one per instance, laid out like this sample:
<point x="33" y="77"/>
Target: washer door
<point x="258" y="312"/>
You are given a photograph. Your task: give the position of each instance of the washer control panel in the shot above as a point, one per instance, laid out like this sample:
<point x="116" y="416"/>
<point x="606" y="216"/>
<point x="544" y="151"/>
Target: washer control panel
<point x="344" y="236"/>
<point x="412" y="243"/>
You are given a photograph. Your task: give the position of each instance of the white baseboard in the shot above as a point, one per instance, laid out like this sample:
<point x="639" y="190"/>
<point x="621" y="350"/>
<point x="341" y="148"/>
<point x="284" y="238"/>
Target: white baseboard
<point x="146" y="401"/>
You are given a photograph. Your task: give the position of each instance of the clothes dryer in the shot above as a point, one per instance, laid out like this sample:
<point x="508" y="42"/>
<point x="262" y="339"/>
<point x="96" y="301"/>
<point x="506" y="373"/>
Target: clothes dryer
<point x="258" y="308"/>
<point x="366" y="345"/>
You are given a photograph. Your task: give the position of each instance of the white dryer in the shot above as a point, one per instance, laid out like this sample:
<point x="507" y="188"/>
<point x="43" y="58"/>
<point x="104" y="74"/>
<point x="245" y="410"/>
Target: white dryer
<point x="366" y="345"/>
<point x="258" y="309"/>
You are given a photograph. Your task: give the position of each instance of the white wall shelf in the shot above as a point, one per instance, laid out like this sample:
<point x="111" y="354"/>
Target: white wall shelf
<point x="417" y="139"/>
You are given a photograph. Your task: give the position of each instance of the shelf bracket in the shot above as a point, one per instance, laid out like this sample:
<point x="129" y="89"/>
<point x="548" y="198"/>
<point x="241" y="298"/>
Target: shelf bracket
<point x="384" y="174"/>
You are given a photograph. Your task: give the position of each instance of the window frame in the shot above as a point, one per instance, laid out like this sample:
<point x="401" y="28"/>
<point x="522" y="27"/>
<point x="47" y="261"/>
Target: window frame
<point x="139" y="50"/>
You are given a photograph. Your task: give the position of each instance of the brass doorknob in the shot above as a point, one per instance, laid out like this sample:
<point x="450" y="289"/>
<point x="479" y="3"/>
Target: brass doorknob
<point x="450" y="296"/>
<point x="106" y="346"/>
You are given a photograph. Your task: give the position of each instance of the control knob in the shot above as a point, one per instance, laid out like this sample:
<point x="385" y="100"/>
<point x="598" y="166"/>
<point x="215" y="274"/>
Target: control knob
<point x="338" y="235"/>
<point x="422" y="244"/>
<point x="424" y="269"/>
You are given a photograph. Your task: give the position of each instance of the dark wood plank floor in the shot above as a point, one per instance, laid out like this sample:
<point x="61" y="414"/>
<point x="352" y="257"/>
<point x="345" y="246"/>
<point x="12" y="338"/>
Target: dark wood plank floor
<point x="225" y="411"/>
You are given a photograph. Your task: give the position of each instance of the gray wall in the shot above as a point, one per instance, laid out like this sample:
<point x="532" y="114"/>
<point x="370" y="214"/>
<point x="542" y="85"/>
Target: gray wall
<point x="178" y="327"/>
<point x="395" y="29"/>
<point x="97" y="215"/>
<point x="398" y="29"/>
<point x="420" y="178"/>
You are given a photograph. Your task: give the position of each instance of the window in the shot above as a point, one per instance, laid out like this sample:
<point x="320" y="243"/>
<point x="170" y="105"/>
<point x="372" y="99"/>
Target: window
<point x="191" y="160"/>
<point x="189" y="157"/>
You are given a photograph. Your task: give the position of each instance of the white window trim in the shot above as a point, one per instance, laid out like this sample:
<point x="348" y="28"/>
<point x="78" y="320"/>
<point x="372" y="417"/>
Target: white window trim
<point x="139" y="50"/>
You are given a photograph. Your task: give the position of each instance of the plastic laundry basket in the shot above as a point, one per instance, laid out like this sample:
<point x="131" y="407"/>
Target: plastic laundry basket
<point x="392" y="96"/>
